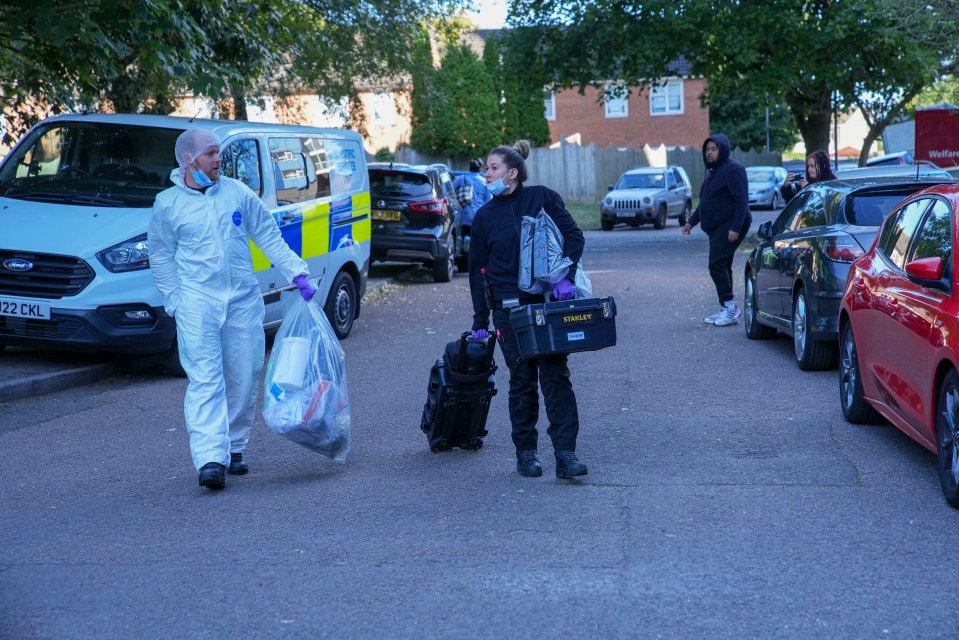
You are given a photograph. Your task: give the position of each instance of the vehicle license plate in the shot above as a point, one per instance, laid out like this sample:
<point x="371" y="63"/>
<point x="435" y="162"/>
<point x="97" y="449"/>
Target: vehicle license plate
<point x="386" y="214"/>
<point x="625" y="214"/>
<point x="18" y="309"/>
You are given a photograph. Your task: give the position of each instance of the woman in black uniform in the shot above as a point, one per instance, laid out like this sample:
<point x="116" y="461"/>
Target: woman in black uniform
<point x="494" y="261"/>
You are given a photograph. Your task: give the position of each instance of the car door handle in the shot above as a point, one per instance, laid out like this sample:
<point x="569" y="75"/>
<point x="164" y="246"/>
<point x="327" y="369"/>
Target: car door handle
<point x="288" y="216"/>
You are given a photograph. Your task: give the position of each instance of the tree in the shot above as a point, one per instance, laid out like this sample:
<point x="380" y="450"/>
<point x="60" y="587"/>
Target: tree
<point x="463" y="113"/>
<point x="140" y="56"/>
<point x="741" y="115"/>
<point x="815" y="55"/>
<point x="521" y="95"/>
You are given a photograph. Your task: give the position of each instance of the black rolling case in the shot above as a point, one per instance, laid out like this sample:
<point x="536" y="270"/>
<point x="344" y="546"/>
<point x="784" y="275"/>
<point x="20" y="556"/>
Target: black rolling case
<point x="461" y="385"/>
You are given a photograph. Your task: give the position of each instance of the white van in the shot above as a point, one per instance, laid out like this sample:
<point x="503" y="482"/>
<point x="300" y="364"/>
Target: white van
<point x="76" y="195"/>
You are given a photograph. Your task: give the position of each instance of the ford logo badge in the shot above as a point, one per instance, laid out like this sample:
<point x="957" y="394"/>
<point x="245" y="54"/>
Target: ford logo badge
<point x="16" y="264"/>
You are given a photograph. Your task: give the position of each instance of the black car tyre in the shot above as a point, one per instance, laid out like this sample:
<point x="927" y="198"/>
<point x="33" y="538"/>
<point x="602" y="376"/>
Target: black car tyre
<point x="659" y="222"/>
<point x="443" y="267"/>
<point x="684" y="216"/>
<point x="776" y="201"/>
<point x="340" y="307"/>
<point x="607" y="225"/>
<point x="811" y="355"/>
<point x="855" y="408"/>
<point x="947" y="438"/>
<point x="754" y="330"/>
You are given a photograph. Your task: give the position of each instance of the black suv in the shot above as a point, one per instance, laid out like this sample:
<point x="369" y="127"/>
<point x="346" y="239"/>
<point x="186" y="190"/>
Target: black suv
<point x="415" y="216"/>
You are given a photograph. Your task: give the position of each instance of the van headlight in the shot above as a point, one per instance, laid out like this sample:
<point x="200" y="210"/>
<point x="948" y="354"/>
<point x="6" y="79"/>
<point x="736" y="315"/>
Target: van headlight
<point x="131" y="255"/>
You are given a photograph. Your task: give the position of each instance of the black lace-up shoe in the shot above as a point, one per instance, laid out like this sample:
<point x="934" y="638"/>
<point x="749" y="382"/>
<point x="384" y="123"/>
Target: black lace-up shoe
<point x="528" y="465"/>
<point x="212" y="475"/>
<point x="568" y="465"/>
<point x="237" y="466"/>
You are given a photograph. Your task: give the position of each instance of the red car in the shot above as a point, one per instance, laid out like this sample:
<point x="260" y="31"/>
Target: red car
<point x="899" y="329"/>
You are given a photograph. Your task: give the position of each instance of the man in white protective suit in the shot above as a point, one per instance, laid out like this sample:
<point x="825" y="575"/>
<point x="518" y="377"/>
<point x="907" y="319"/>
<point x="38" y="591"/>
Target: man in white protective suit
<point x="201" y="263"/>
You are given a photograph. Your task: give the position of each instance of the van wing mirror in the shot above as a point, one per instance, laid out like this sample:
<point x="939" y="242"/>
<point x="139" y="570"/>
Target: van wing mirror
<point x="610" y="188"/>
<point x="765" y="229"/>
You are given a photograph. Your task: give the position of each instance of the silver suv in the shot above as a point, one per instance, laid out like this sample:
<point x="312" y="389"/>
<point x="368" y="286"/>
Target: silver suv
<point x="648" y="194"/>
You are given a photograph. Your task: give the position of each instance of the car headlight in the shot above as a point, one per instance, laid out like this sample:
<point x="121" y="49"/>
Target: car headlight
<point x="131" y="255"/>
<point x="647" y="200"/>
<point x="608" y="202"/>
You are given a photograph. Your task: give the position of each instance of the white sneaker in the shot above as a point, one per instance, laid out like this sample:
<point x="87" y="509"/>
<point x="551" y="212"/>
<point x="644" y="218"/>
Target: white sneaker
<point x="730" y="315"/>
<point x="716" y="316"/>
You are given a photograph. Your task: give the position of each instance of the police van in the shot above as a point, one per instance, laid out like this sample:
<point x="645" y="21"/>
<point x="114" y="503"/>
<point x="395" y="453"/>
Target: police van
<point x="76" y="196"/>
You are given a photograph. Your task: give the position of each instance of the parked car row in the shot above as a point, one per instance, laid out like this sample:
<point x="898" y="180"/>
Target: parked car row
<point x="862" y="271"/>
<point x="648" y="195"/>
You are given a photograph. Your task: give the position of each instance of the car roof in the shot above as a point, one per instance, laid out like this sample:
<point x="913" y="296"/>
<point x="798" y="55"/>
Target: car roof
<point x="222" y="129"/>
<point x="896" y="170"/>
<point x="639" y="170"/>
<point x="888" y="156"/>
<point x="764" y="167"/>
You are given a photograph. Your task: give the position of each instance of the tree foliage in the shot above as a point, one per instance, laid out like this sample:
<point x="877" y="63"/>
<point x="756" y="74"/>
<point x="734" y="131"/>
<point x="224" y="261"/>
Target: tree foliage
<point x="812" y="54"/>
<point x="459" y="115"/>
<point x="140" y="55"/>
<point x="521" y="106"/>
<point x="741" y="115"/>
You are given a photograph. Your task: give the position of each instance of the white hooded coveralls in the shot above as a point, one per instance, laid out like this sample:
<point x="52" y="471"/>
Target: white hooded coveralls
<point x="201" y="263"/>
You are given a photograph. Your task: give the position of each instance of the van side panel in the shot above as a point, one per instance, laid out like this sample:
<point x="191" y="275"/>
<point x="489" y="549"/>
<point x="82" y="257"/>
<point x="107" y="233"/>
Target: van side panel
<point x="361" y="215"/>
<point x="316" y="230"/>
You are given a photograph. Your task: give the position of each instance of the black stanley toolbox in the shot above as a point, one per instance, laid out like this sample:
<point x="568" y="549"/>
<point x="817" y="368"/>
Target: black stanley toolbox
<point x="564" y="327"/>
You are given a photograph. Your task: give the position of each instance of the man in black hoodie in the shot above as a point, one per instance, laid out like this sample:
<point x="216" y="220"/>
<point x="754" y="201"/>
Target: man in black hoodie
<point x="723" y="212"/>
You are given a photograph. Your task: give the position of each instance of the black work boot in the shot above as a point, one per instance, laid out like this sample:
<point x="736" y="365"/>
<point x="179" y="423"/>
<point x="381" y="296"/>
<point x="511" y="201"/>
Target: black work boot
<point x="528" y="465"/>
<point x="237" y="466"/>
<point x="568" y="465"/>
<point x="212" y="475"/>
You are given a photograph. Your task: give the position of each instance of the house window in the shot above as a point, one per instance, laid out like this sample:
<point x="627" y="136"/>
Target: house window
<point x="666" y="99"/>
<point x="384" y="108"/>
<point x="549" y="105"/>
<point x="616" y="104"/>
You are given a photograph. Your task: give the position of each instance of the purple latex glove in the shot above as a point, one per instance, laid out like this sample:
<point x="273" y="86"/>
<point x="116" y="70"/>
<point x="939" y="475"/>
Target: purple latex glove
<point x="563" y="290"/>
<point x="302" y="283"/>
<point x="480" y="334"/>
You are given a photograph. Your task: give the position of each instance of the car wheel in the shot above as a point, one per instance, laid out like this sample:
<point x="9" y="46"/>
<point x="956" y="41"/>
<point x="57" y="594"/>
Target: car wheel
<point x="171" y="360"/>
<point x="776" y="202"/>
<point x="443" y="267"/>
<point x="607" y="225"/>
<point x="659" y="222"/>
<point x="854" y="406"/>
<point x="811" y="355"/>
<point x="684" y="216"/>
<point x="340" y="307"/>
<point x="754" y="330"/>
<point x="947" y="438"/>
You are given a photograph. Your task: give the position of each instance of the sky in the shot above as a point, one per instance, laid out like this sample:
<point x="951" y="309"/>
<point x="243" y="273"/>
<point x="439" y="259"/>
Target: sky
<point x="489" y="14"/>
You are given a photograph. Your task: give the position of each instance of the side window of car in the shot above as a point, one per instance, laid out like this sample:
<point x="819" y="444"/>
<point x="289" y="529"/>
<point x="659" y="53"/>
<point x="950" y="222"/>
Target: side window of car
<point x="670" y="181"/>
<point x="449" y="192"/>
<point x="899" y="230"/>
<point x="812" y="214"/>
<point x="680" y="178"/>
<point x="317" y="167"/>
<point x="934" y="239"/>
<point x="241" y="160"/>
<point x="790" y="214"/>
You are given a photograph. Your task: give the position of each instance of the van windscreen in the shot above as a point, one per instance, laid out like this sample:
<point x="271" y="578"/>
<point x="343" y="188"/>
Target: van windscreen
<point x="91" y="164"/>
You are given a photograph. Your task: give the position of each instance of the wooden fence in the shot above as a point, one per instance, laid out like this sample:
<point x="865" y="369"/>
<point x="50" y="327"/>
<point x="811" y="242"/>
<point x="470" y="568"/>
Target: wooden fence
<point x="584" y="174"/>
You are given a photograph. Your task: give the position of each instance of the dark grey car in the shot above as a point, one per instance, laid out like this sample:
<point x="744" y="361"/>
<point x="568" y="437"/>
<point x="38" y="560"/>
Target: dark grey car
<point x="794" y="277"/>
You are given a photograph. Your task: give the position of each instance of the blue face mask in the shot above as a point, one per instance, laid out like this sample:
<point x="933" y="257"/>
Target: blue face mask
<point x="201" y="178"/>
<point x="497" y="187"/>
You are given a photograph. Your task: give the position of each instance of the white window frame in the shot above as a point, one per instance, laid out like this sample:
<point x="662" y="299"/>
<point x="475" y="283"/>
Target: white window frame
<point x="662" y="92"/>
<point x="608" y="101"/>
<point x="549" y="105"/>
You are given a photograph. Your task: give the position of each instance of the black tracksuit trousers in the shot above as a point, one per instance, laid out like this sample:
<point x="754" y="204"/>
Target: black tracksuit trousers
<point x="721" y="252"/>
<point x="551" y="373"/>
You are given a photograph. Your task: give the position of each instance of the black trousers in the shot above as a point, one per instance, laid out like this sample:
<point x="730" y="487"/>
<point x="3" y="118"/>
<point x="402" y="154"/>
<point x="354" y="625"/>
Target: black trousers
<point x="551" y="373"/>
<point x="721" y="252"/>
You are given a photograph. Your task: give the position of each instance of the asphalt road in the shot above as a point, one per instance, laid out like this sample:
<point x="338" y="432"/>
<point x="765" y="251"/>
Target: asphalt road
<point x="726" y="497"/>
